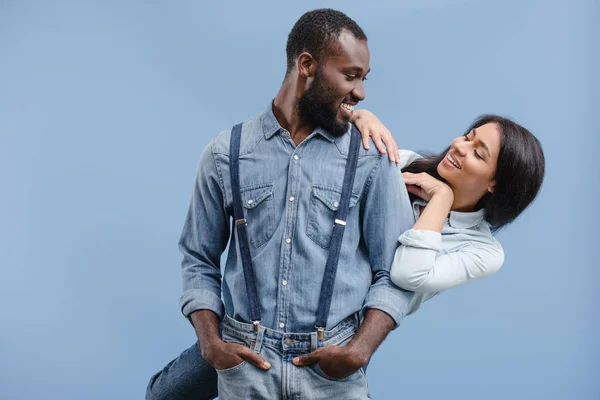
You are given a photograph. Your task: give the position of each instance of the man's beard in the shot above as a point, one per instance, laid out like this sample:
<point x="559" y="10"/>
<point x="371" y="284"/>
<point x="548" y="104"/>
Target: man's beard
<point x="317" y="104"/>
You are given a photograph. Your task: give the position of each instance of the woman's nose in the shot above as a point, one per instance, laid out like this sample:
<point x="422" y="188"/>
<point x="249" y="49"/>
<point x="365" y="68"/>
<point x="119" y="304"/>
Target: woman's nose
<point x="460" y="147"/>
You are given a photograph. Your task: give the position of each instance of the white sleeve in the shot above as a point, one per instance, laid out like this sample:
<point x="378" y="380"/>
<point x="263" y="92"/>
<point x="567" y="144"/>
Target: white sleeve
<point x="420" y="266"/>
<point x="406" y="157"/>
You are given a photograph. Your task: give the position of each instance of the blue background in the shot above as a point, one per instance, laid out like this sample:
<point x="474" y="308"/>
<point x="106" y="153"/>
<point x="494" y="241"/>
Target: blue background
<point x="105" y="109"/>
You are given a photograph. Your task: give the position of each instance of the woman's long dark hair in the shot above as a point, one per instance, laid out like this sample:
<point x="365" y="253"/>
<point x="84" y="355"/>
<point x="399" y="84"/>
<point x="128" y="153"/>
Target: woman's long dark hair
<point x="519" y="173"/>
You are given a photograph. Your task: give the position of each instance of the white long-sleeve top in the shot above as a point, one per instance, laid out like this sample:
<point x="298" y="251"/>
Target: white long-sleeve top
<point x="429" y="262"/>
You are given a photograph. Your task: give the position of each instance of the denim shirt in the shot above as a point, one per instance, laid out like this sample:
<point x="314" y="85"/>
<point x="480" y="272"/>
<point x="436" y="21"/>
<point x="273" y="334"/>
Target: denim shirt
<point x="429" y="262"/>
<point x="290" y="194"/>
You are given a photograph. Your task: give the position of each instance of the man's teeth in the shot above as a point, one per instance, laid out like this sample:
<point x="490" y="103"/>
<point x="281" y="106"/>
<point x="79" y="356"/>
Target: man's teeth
<point x="347" y="107"/>
<point x="452" y="161"/>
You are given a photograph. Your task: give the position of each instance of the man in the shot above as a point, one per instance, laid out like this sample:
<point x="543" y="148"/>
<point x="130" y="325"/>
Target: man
<point x="259" y="329"/>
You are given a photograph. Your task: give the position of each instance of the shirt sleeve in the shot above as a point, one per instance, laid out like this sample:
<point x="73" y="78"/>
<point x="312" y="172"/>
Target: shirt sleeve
<point x="387" y="213"/>
<point x="420" y="265"/>
<point x="203" y="240"/>
<point x="407" y="157"/>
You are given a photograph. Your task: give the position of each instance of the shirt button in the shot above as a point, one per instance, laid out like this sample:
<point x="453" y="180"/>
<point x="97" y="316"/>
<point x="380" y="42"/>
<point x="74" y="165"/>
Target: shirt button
<point x="288" y="240"/>
<point x="250" y="201"/>
<point x="281" y="324"/>
<point x="292" y="198"/>
<point x="335" y="204"/>
<point x="296" y="157"/>
<point x="284" y="282"/>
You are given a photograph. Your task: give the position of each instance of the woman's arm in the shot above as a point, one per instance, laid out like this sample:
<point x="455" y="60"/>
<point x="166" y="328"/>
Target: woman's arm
<point x="438" y="195"/>
<point x="417" y="265"/>
<point x="370" y="126"/>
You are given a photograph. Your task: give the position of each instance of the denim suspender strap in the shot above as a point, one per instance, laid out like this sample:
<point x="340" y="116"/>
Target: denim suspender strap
<point x="337" y="235"/>
<point x="335" y="243"/>
<point x="242" y="226"/>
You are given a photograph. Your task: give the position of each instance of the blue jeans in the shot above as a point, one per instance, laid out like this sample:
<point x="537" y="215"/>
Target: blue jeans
<point x="188" y="376"/>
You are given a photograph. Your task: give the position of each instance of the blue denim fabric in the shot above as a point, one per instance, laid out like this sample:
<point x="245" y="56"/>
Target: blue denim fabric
<point x="284" y="380"/>
<point x="290" y="195"/>
<point x="188" y="377"/>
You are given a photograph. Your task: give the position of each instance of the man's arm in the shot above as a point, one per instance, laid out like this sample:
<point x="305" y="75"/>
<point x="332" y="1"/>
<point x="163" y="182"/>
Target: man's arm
<point x="387" y="213"/>
<point x="340" y="362"/>
<point x="203" y="240"/>
<point x="216" y="352"/>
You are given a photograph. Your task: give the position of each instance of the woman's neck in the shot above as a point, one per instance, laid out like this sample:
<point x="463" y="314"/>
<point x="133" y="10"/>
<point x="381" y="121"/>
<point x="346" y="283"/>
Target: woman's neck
<point x="464" y="203"/>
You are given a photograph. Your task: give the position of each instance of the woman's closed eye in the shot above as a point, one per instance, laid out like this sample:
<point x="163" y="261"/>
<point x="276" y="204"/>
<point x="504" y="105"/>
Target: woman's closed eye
<point x="477" y="154"/>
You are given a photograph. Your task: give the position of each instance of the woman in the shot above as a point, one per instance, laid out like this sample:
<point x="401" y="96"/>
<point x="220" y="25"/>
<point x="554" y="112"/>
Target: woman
<point x="478" y="185"/>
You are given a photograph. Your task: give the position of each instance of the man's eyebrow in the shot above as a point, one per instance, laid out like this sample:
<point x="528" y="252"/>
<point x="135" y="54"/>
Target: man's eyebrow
<point x="482" y="143"/>
<point x="356" y="68"/>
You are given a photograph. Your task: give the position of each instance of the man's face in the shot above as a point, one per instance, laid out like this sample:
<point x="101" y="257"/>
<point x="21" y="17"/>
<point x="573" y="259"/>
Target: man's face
<point x="337" y="86"/>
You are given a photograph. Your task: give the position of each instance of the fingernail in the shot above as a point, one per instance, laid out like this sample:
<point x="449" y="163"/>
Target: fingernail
<point x="296" y="359"/>
<point x="267" y="365"/>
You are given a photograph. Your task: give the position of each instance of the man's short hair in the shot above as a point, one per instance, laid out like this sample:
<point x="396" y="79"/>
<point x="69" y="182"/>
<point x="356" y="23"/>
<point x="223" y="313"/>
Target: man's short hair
<point x="317" y="32"/>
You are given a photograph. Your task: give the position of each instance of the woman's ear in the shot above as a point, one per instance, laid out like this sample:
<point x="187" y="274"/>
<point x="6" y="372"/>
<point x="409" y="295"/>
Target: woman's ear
<point x="492" y="186"/>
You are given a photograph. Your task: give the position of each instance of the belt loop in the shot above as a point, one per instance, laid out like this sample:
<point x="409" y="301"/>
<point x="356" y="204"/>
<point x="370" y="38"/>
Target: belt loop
<point x="314" y="342"/>
<point x="259" y="339"/>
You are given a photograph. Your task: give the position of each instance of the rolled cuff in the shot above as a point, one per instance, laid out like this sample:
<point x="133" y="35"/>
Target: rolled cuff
<point x="387" y="297"/>
<point x="201" y="299"/>
<point x="422" y="239"/>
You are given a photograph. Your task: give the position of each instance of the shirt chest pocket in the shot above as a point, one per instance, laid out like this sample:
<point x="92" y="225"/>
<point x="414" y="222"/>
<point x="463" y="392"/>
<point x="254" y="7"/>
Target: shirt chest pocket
<point x="324" y="203"/>
<point x="259" y="211"/>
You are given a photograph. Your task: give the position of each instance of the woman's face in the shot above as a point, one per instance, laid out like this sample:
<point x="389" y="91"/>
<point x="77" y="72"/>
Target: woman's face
<point x="470" y="165"/>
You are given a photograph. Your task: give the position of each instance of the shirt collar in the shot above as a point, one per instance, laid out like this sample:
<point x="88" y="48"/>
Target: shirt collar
<point x="271" y="126"/>
<point x="456" y="219"/>
<point x="326" y="134"/>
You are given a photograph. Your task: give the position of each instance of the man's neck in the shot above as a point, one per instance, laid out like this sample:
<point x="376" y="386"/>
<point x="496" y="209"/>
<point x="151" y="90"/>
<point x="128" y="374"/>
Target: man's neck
<point x="286" y="112"/>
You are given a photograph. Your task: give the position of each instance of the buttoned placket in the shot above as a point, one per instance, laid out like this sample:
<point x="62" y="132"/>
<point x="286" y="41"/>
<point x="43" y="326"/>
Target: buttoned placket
<point x="291" y="211"/>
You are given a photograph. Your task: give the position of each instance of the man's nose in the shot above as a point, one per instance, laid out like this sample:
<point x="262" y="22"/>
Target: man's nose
<point x="359" y="91"/>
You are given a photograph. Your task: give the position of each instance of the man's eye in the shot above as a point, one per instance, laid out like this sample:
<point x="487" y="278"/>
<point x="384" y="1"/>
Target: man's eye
<point x="466" y="135"/>
<point x="350" y="77"/>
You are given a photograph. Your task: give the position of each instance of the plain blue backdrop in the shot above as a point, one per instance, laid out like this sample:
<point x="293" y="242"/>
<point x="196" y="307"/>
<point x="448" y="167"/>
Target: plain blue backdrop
<point x="105" y="108"/>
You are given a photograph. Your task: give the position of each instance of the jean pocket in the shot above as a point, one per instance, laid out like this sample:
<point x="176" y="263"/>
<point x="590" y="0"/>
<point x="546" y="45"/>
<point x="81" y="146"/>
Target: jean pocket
<point x="341" y="341"/>
<point x="356" y="375"/>
<point x="324" y="203"/>
<point x="259" y="212"/>
<point x="228" y="338"/>
<point x="231" y="370"/>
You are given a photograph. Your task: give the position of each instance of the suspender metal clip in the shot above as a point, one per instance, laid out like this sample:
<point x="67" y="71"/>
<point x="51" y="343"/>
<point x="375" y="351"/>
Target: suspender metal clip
<point x="320" y="333"/>
<point x="256" y="325"/>
<point x="242" y="221"/>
